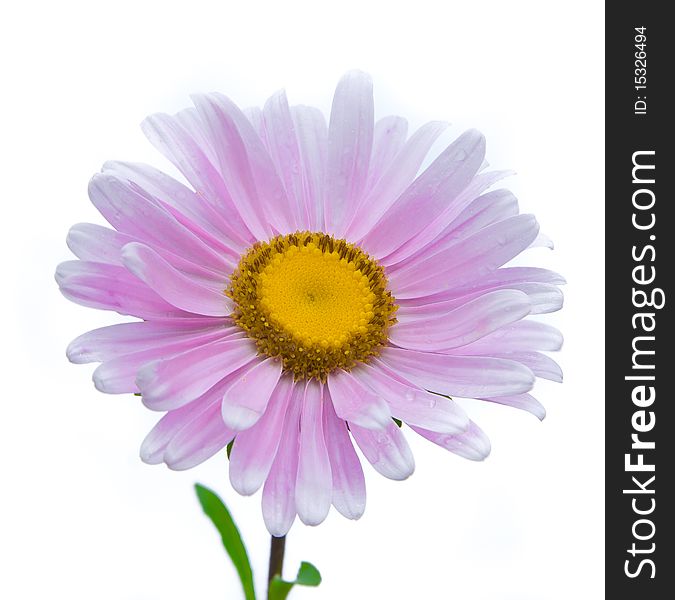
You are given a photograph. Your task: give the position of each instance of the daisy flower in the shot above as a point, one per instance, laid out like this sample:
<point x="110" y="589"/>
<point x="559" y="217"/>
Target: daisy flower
<point x="307" y="288"/>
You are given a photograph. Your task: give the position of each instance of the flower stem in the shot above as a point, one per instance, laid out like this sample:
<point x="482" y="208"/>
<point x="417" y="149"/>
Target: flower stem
<point x="277" y="549"/>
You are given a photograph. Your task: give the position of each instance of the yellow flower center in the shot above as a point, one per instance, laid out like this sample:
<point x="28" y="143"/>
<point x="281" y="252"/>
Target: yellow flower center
<point x="317" y="303"/>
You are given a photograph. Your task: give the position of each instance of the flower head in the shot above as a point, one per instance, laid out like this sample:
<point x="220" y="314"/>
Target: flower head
<point x="307" y="288"/>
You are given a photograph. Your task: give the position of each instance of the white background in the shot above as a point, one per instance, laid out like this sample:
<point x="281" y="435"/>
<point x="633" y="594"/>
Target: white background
<point x="81" y="516"/>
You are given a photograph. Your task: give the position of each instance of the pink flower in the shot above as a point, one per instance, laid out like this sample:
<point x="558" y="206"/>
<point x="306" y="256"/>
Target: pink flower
<point x="306" y="288"/>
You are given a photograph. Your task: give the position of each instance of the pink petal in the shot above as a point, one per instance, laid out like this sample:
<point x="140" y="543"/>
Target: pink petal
<point x="464" y="376"/>
<point x="246" y="400"/>
<point x="542" y="296"/>
<point x="480" y="183"/>
<point x="282" y="144"/>
<point x="190" y="120"/>
<point x="255" y="116"/>
<point x="522" y="336"/>
<point x="394" y="180"/>
<point x="159" y="437"/>
<point x="186" y="206"/>
<point x="131" y="212"/>
<point x="356" y="403"/>
<point x="482" y="212"/>
<point x="254" y="449"/>
<point x="173" y="382"/>
<point x="542" y="241"/>
<point x="517" y="275"/>
<point x="278" y="497"/>
<point x="198" y="441"/>
<point x="110" y="342"/>
<point x="464" y="324"/>
<point x="246" y="167"/>
<point x="118" y="375"/>
<point x="412" y="404"/>
<point x="172" y="140"/>
<point x="196" y="427"/>
<point x="176" y="288"/>
<point x="110" y="287"/>
<point x="485" y="210"/>
<point x="540" y="364"/>
<point x="313" y="485"/>
<point x="523" y="402"/>
<point x="445" y="220"/>
<point x="389" y="135"/>
<point x="504" y="278"/>
<point x="472" y="443"/>
<point x="466" y="260"/>
<point x="97" y="244"/>
<point x="349" y="485"/>
<point x="350" y="142"/>
<point x="428" y="195"/>
<point x="385" y="449"/>
<point x="215" y="281"/>
<point x="312" y="134"/>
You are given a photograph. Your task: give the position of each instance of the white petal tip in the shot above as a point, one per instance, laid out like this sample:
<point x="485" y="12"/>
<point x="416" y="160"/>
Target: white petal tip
<point x="99" y="384"/>
<point x="76" y="355"/>
<point x="353" y="515"/>
<point x="103" y="384"/>
<point x="155" y="400"/>
<point x="61" y="273"/>
<point x="239" y="418"/>
<point x="151" y="458"/>
<point x="357" y="74"/>
<point x="278" y="529"/>
<point x="129" y="254"/>
<point x="245" y="490"/>
<point x="482" y="447"/>
<point x="146" y="375"/>
<point x="475" y="136"/>
<point x="350" y="509"/>
<point x="245" y="485"/>
<point x="451" y="427"/>
<point x="313" y="518"/>
<point x="528" y="383"/>
<point x="477" y="452"/>
<point x="401" y="476"/>
<point x="178" y="465"/>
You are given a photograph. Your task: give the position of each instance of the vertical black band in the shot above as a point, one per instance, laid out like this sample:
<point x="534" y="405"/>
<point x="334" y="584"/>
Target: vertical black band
<point x="640" y="244"/>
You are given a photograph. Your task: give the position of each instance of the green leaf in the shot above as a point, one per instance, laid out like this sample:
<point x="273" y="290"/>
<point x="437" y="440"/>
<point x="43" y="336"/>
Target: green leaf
<point x="228" y="449"/>
<point x="279" y="589"/>
<point x="308" y="575"/>
<point x="216" y="510"/>
<point x="398" y="421"/>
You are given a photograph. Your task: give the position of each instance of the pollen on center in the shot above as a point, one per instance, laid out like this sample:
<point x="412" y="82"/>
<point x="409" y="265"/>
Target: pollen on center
<point x="318" y="303"/>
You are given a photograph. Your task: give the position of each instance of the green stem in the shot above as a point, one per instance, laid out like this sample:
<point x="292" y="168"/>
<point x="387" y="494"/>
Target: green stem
<point x="277" y="549"/>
